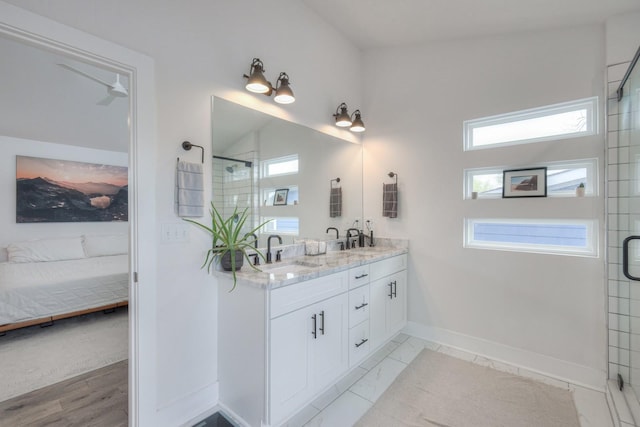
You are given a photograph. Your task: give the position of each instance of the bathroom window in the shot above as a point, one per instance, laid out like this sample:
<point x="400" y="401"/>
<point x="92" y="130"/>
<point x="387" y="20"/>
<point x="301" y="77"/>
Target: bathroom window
<point x="287" y="165"/>
<point x="281" y="225"/>
<point x="551" y="236"/>
<point x="559" y="121"/>
<point x="269" y="193"/>
<point x="562" y="179"/>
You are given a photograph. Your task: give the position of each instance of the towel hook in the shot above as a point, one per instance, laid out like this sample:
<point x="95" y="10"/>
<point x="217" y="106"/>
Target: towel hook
<point x="331" y="182"/>
<point x="393" y="175"/>
<point x="186" y="145"/>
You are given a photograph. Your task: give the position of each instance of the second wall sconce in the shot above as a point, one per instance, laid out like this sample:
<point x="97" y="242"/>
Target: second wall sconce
<point x="353" y="122"/>
<point x="257" y="83"/>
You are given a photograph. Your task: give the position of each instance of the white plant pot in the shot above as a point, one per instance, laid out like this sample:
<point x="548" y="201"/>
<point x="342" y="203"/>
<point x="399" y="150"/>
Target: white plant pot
<point x="580" y="192"/>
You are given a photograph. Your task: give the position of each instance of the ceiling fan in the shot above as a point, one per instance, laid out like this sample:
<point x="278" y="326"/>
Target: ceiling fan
<point x="115" y="89"/>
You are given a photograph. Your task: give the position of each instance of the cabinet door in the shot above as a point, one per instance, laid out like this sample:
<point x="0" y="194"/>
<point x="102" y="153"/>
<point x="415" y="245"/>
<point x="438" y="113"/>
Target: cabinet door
<point x="290" y="382"/>
<point x="388" y="307"/>
<point x="330" y="347"/>
<point x="379" y="294"/>
<point x="396" y="310"/>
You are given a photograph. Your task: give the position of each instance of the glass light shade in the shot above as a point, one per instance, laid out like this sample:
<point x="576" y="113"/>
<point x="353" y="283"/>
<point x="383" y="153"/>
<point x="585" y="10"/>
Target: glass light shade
<point x="358" y="124"/>
<point x="257" y="83"/>
<point x="284" y="94"/>
<point x="342" y="119"/>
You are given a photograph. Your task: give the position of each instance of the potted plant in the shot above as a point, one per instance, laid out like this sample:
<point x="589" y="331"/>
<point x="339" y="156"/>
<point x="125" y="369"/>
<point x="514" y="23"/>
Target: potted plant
<point x="229" y="244"/>
<point x="580" y="190"/>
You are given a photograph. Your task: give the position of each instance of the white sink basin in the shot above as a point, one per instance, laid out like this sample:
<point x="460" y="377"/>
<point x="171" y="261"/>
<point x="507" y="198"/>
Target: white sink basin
<point x="288" y="267"/>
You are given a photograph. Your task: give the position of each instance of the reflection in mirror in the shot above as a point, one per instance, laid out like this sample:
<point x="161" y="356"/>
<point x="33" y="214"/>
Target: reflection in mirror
<point x="284" y="172"/>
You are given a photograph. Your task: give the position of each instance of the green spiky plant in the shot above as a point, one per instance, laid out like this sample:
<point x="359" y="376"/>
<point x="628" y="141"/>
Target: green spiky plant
<point x="227" y="237"/>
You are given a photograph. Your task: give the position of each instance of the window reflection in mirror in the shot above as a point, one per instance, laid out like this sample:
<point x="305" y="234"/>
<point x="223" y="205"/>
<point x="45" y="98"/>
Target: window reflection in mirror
<point x="256" y="154"/>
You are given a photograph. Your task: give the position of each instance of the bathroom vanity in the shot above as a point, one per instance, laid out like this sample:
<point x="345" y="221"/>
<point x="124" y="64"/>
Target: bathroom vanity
<point x="289" y="333"/>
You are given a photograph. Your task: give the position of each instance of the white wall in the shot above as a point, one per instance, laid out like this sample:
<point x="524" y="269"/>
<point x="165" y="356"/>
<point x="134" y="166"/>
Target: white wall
<point x="622" y="37"/>
<point x="202" y="48"/>
<point x="544" y="312"/>
<point x="13" y="232"/>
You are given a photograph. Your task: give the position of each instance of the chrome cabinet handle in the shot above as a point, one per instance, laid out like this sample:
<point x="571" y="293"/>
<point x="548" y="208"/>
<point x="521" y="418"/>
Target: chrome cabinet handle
<point x="364" y="340"/>
<point x="315" y="331"/>
<point x="322" y="322"/>
<point x="363" y="305"/>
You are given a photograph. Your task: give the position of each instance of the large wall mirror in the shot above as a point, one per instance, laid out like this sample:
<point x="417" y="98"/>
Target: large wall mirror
<point x="300" y="179"/>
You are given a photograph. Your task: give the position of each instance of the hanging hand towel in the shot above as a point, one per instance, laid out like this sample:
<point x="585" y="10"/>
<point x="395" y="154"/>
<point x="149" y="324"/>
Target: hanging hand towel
<point x="335" y="202"/>
<point x="189" y="192"/>
<point x="390" y="200"/>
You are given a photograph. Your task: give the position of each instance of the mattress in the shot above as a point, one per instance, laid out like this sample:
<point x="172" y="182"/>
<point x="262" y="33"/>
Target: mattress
<point x="41" y="289"/>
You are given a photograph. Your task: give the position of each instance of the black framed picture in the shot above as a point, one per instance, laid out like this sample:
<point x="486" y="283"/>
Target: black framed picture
<point x="280" y="197"/>
<point x="530" y="182"/>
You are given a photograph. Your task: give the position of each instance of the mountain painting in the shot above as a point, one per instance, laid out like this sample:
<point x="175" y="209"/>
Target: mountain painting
<point x="49" y="190"/>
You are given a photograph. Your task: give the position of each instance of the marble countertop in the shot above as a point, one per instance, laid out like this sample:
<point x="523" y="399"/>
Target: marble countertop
<point x="300" y="268"/>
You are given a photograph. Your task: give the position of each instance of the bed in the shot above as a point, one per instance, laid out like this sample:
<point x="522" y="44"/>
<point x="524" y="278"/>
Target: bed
<point x="51" y="279"/>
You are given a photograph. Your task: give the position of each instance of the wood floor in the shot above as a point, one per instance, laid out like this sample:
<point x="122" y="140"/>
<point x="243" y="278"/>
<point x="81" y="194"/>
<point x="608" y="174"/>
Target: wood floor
<point x="95" y="399"/>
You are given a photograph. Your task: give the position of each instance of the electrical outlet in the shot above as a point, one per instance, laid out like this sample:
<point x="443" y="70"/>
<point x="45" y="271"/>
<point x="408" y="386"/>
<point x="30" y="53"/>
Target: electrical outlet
<point x="174" y="232"/>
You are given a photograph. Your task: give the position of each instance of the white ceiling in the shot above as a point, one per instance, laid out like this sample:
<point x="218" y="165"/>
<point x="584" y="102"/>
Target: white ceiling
<point x="386" y="23"/>
<point x="45" y="102"/>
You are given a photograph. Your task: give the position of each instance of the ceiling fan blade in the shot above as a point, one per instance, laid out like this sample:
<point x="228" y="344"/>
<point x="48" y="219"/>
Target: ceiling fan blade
<point x="106" y="100"/>
<point x="82" y="73"/>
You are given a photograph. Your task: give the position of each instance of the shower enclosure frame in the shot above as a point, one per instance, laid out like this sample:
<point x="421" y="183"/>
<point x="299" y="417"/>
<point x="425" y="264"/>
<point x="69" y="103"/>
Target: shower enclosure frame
<point x="623" y="248"/>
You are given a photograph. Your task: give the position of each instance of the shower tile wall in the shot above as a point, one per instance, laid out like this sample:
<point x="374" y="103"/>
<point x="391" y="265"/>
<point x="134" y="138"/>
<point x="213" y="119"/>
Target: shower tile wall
<point x="237" y="188"/>
<point x="624" y="295"/>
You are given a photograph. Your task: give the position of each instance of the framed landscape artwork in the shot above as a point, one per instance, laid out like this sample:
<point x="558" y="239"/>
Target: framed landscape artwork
<point x="280" y="197"/>
<point x="531" y="182"/>
<point x="50" y="190"/>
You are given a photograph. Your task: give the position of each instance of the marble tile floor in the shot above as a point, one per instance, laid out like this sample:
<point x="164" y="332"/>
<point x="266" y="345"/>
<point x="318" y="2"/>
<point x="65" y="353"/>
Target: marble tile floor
<point x="344" y="403"/>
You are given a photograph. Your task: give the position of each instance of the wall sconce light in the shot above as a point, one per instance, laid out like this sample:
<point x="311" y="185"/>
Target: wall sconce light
<point x="257" y="83"/>
<point x="343" y="119"/>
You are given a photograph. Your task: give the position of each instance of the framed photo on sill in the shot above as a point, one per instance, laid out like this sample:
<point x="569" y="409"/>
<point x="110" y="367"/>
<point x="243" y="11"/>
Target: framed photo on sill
<point x="530" y="182"/>
<point x="280" y="197"/>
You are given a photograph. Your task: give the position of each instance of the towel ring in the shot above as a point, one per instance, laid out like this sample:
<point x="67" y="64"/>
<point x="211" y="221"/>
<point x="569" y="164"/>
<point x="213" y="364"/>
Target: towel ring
<point x="393" y="175"/>
<point x="186" y="145"/>
<point x="337" y="180"/>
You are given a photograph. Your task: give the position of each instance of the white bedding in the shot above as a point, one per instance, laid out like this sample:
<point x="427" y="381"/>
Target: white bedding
<point x="39" y="289"/>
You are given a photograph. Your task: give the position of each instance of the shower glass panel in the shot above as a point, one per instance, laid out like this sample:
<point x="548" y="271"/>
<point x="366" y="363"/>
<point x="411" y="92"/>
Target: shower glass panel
<point x="234" y="185"/>
<point x="624" y="234"/>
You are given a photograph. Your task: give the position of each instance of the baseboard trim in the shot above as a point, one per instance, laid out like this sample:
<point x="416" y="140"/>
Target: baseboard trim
<point x="182" y="411"/>
<point x="523" y="359"/>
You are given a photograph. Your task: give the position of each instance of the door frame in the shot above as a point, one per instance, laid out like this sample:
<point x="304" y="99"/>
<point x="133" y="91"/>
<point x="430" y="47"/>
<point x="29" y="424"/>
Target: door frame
<point x="26" y="27"/>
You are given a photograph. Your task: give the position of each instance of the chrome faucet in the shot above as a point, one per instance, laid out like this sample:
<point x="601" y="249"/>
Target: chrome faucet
<point x="269" y="246"/>
<point x="337" y="232"/>
<point x="349" y="236"/>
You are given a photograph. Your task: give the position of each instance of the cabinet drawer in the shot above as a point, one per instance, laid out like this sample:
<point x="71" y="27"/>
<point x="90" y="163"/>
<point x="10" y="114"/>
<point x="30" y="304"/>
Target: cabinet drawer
<point x="298" y="295"/>
<point x="358" y="276"/>
<point x="359" y="343"/>
<point x="358" y="305"/>
<point x="387" y="266"/>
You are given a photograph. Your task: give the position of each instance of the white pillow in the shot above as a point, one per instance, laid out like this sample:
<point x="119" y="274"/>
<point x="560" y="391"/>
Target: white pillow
<point x="54" y="249"/>
<point x="106" y="244"/>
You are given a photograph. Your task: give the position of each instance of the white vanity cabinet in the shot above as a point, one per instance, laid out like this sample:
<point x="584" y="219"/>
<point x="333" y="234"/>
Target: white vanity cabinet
<point x="388" y="291"/>
<point x="308" y="349"/>
<point x="281" y="348"/>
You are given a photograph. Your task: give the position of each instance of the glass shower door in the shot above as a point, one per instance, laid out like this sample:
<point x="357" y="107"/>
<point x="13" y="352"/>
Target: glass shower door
<point x="624" y="245"/>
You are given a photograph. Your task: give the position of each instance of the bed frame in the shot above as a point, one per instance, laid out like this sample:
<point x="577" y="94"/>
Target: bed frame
<point x="48" y="320"/>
